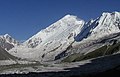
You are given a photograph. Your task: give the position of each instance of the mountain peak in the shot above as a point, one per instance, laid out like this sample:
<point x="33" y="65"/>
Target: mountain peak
<point x="68" y="16"/>
<point x="7" y="42"/>
<point x="116" y="12"/>
<point x="7" y="36"/>
<point x="108" y="23"/>
<point x="67" y="25"/>
<point x="108" y="13"/>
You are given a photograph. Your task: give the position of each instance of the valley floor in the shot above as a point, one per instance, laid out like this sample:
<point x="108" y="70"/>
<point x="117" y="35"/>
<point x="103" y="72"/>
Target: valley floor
<point x="103" y="66"/>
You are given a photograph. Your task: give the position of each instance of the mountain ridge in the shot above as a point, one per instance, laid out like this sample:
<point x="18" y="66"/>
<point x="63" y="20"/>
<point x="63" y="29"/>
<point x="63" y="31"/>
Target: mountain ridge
<point x="55" y="39"/>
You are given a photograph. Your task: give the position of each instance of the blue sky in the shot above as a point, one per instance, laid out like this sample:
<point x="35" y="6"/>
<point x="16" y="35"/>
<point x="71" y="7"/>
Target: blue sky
<point x="24" y="18"/>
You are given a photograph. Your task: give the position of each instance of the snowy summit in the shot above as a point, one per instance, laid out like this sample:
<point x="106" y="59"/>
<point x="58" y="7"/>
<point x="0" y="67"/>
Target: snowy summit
<point x="47" y="44"/>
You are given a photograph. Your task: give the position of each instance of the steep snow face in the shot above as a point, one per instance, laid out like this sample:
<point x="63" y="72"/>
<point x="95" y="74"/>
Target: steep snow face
<point x="68" y="26"/>
<point x="7" y="42"/>
<point x="51" y="41"/>
<point x="108" y="23"/>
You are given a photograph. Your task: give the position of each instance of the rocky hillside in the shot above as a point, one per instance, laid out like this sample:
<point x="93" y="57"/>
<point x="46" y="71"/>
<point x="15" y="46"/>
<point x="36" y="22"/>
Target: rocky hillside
<point x="7" y="42"/>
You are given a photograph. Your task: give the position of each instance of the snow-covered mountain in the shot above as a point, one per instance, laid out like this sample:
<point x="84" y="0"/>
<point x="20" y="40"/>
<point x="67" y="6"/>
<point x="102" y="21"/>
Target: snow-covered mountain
<point x="60" y="36"/>
<point x="106" y="24"/>
<point x="57" y="37"/>
<point x="67" y="27"/>
<point x="7" y="42"/>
